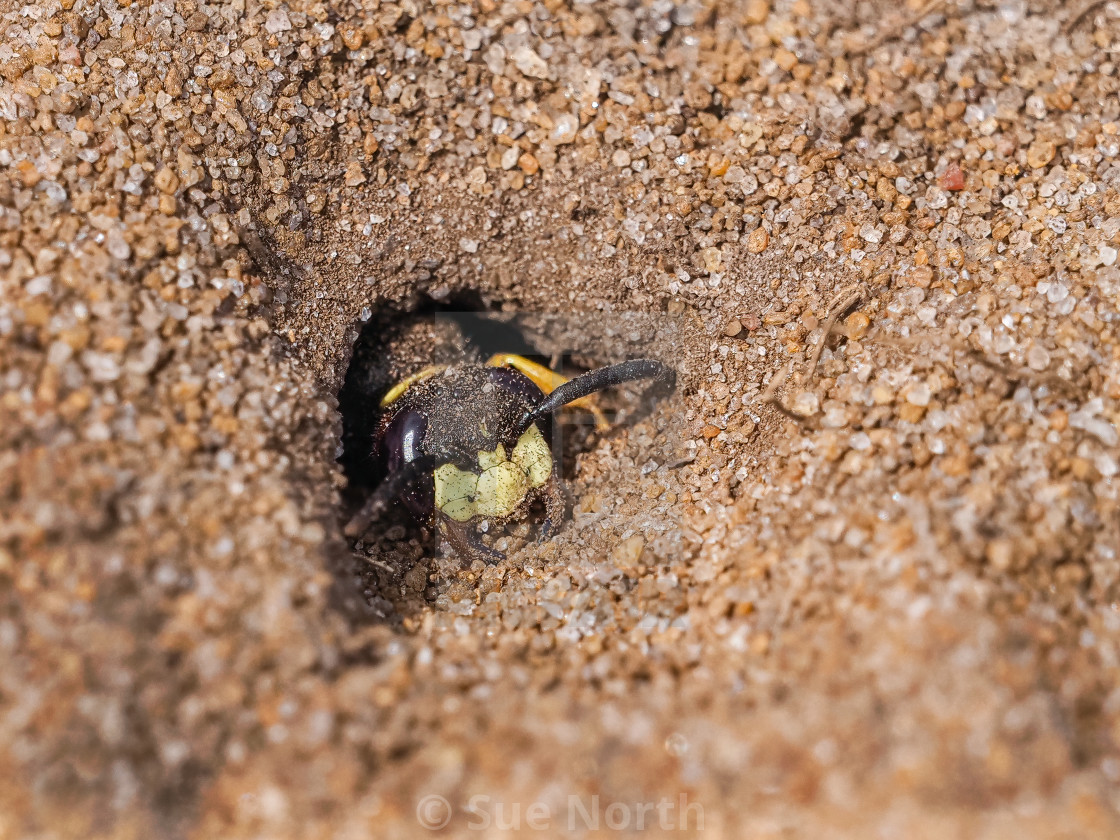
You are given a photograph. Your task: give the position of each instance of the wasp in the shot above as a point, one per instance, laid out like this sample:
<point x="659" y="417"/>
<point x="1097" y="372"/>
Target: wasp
<point x="466" y="443"/>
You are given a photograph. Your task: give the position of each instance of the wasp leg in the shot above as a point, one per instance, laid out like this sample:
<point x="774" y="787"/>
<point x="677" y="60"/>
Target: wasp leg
<point x="385" y="494"/>
<point x="555" y="506"/>
<point x="548" y="381"/>
<point x="464" y="539"/>
<point x="395" y="393"/>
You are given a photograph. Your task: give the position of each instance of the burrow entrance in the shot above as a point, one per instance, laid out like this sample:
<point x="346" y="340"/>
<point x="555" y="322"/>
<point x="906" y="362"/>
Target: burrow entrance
<point x="398" y="556"/>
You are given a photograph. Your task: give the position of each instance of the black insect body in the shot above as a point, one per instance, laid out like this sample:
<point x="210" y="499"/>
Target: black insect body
<point x="471" y="442"/>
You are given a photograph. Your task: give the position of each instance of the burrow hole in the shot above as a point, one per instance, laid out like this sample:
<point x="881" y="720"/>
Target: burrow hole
<point x="395" y="566"/>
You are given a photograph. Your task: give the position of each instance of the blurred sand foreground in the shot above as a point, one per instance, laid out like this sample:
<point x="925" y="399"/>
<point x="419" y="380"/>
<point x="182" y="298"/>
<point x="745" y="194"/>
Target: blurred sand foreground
<point x="878" y="595"/>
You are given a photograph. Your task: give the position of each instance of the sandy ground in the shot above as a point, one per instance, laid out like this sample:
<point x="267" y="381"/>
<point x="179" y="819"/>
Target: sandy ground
<point x="858" y="577"/>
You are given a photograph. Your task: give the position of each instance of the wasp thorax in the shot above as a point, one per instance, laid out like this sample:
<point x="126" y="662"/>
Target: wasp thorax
<point x="501" y="483"/>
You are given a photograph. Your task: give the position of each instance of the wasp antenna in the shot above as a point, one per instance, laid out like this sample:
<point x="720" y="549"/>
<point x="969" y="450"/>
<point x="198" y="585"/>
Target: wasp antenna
<point x="387" y="491"/>
<point x="597" y="380"/>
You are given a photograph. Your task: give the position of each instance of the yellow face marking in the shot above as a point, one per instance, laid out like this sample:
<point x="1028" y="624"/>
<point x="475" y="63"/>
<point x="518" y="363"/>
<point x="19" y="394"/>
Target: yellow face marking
<point x="455" y="492"/>
<point x="489" y="460"/>
<point x="548" y="381"/>
<point x="501" y="483"/>
<point x="533" y="456"/>
<point x="397" y="390"/>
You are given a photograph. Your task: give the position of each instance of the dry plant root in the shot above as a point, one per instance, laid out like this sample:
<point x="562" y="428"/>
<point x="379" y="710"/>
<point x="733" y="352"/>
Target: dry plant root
<point x="842" y="304"/>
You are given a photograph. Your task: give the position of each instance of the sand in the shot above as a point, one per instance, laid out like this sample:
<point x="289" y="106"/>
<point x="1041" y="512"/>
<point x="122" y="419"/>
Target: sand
<point x="857" y="577"/>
